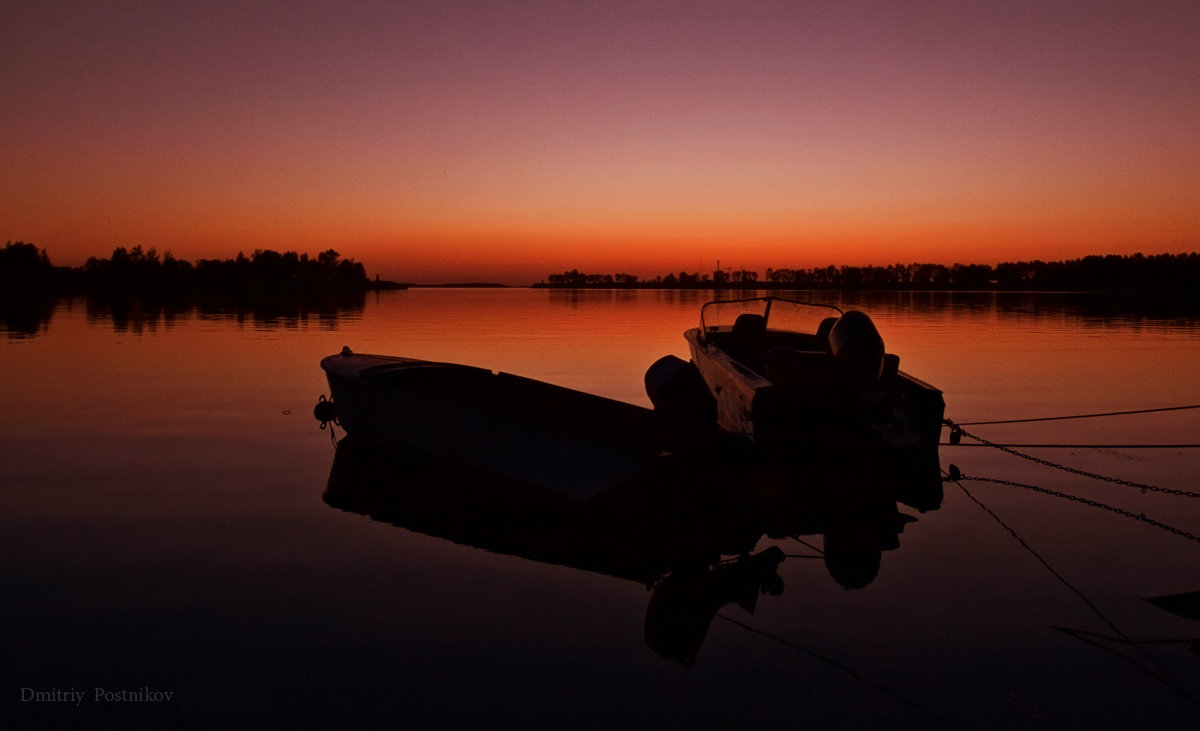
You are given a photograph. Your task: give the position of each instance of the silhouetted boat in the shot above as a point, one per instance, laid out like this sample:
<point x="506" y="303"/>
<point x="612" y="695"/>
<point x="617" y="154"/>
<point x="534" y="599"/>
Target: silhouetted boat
<point x="779" y="371"/>
<point x="548" y="438"/>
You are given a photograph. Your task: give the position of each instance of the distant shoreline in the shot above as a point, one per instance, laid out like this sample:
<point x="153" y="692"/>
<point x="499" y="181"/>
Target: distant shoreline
<point x="1162" y="274"/>
<point x="26" y="272"/>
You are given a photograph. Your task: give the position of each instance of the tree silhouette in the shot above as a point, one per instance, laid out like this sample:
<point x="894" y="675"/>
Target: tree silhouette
<point x="1162" y="275"/>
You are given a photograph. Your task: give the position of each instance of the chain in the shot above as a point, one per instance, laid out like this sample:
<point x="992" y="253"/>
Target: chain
<point x="957" y="432"/>
<point x="956" y="477"/>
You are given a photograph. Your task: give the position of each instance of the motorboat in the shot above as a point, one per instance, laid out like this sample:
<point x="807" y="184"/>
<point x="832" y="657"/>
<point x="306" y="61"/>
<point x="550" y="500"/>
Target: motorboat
<point x="773" y="370"/>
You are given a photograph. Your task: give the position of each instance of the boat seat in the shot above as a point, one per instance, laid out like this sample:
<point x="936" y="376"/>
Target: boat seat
<point x="748" y="341"/>
<point x="795" y="368"/>
<point x="808" y="383"/>
<point x="824" y="329"/>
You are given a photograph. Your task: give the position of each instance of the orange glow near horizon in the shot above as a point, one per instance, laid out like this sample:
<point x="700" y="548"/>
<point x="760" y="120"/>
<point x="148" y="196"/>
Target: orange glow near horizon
<point x="453" y="142"/>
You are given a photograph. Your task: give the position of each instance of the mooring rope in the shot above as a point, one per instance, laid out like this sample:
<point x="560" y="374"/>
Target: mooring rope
<point x="955" y="476"/>
<point x="1040" y="445"/>
<point x="957" y="432"/>
<point x="843" y="667"/>
<point x="805" y="543"/>
<point x="1082" y="416"/>
<point x="326" y="413"/>
<point x="1156" y="670"/>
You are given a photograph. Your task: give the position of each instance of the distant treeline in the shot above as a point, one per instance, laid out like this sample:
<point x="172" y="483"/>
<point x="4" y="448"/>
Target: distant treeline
<point x="1161" y="273"/>
<point x="26" y="270"/>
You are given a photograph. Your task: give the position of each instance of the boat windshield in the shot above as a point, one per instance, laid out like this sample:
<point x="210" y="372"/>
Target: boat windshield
<point x="779" y="314"/>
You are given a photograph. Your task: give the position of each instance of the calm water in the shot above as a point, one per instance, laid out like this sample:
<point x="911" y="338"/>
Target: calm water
<point x="165" y="528"/>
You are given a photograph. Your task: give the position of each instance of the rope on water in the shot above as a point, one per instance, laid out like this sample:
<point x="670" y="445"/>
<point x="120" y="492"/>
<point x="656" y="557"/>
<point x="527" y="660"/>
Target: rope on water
<point x="840" y="666"/>
<point x="957" y="432"/>
<point x="1078" y="446"/>
<point x="955" y="476"/>
<point x="1152" y="667"/>
<point x="1082" y="416"/>
<point x="805" y="543"/>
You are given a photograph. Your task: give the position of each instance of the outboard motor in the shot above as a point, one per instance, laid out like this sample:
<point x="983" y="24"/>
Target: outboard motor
<point x="685" y="407"/>
<point x="857" y="347"/>
<point x="857" y="350"/>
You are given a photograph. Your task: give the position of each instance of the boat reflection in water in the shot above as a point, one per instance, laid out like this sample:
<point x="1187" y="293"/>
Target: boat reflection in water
<point x="689" y="526"/>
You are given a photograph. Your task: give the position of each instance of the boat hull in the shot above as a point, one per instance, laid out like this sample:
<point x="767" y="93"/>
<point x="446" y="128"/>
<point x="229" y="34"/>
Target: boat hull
<point x="555" y="440"/>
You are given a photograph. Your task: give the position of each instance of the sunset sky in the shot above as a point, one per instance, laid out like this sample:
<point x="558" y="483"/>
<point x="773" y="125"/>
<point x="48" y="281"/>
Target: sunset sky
<point x="504" y="141"/>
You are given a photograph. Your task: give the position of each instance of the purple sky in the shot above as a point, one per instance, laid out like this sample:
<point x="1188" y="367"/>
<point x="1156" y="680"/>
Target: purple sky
<point x="449" y="140"/>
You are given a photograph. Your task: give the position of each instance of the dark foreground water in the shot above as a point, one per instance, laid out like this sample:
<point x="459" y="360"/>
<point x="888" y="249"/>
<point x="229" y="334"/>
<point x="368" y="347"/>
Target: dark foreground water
<point x="180" y="544"/>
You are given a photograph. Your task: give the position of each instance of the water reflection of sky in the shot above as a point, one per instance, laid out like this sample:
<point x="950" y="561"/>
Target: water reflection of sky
<point x="166" y="527"/>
